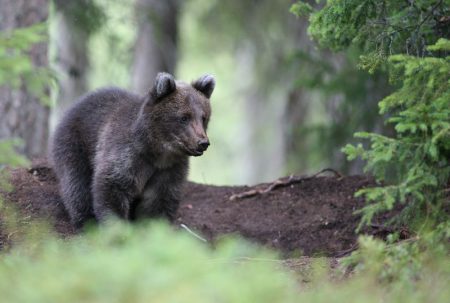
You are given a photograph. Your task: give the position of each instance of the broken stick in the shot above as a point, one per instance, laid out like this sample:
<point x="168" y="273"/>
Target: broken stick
<point x="282" y="183"/>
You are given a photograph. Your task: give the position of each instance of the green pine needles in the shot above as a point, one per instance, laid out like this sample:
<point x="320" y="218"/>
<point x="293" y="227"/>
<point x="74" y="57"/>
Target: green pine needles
<point x="408" y="38"/>
<point x="414" y="165"/>
<point x="411" y="165"/>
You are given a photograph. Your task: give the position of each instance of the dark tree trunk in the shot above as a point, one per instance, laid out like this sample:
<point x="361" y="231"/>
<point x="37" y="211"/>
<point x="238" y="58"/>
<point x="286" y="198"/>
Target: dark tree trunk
<point x="156" y="44"/>
<point x="22" y="114"/>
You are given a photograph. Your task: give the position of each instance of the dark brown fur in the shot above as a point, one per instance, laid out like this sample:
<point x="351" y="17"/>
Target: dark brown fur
<point x="123" y="155"/>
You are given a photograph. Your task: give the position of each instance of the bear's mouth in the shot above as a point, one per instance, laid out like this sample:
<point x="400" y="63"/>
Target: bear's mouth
<point x="191" y="152"/>
<point x="194" y="153"/>
<point x="188" y="151"/>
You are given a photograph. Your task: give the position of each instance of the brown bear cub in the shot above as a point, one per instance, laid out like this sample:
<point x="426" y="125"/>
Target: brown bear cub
<point x="117" y="154"/>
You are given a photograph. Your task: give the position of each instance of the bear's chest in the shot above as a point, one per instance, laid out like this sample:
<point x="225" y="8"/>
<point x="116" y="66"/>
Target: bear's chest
<point x="148" y="200"/>
<point x="159" y="181"/>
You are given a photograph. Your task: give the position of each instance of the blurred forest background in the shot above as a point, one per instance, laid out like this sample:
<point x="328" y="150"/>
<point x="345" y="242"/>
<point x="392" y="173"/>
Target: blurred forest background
<point x="281" y="105"/>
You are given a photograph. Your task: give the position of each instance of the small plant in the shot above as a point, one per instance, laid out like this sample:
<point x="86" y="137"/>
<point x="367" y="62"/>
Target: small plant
<point x="401" y="260"/>
<point x="16" y="65"/>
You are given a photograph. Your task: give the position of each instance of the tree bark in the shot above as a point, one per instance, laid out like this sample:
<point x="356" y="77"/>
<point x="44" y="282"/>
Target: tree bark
<point x="22" y="114"/>
<point x="71" y="62"/>
<point x="156" y="45"/>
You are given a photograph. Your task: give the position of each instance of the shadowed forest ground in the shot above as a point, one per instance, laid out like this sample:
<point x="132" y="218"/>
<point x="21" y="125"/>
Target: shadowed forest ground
<point x="311" y="217"/>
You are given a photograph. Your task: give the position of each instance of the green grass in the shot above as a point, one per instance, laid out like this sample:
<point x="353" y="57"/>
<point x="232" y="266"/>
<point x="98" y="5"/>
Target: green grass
<point x="154" y="263"/>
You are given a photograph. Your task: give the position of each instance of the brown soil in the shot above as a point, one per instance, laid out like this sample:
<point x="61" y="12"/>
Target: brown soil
<point x="311" y="217"/>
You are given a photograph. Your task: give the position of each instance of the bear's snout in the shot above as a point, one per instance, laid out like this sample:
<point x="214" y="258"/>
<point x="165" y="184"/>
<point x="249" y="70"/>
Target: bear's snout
<point x="202" y="145"/>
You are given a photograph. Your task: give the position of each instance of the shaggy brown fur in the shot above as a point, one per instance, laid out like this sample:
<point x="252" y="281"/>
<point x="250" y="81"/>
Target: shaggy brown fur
<point x="119" y="154"/>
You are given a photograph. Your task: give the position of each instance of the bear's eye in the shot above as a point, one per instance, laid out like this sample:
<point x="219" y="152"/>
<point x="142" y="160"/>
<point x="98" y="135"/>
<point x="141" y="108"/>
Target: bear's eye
<point x="184" y="118"/>
<point x="204" y="120"/>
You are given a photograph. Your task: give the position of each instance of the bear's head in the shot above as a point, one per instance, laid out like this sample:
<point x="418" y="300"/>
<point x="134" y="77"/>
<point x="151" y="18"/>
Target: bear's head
<point x="178" y="114"/>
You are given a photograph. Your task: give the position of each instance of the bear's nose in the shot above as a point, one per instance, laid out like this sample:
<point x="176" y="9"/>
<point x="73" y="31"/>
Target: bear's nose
<point x="202" y="145"/>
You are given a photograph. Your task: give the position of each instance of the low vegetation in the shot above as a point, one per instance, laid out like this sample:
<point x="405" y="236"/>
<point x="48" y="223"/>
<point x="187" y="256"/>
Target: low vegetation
<point x="153" y="263"/>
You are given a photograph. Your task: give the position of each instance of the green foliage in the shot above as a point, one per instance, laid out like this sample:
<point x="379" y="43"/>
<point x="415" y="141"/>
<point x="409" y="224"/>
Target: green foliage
<point x="415" y="163"/>
<point x="8" y="159"/>
<point x="16" y="66"/>
<point x="441" y="44"/>
<point x="381" y="28"/>
<point x="120" y="262"/>
<point x="16" y="69"/>
<point x="404" y="260"/>
<point x="149" y="263"/>
<point x="301" y="9"/>
<point x="87" y="15"/>
<point x="8" y="155"/>
<point x="9" y="220"/>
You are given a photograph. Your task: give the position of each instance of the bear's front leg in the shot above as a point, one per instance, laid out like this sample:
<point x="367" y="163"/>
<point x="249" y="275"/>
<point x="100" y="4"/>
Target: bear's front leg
<point x="112" y="197"/>
<point x="168" y="204"/>
<point x="160" y="199"/>
<point x="170" y="208"/>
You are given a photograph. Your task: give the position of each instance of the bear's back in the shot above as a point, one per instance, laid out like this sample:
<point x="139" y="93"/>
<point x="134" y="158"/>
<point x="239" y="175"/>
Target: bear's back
<point x="80" y="126"/>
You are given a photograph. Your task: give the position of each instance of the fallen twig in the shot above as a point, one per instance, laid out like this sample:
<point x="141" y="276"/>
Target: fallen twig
<point x="192" y="233"/>
<point x="281" y="183"/>
<point x="346" y="251"/>
<point x="383" y="228"/>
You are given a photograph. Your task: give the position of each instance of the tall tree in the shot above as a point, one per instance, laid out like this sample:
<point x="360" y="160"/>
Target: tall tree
<point x="22" y="114"/>
<point x="156" y="45"/>
<point x="75" y="22"/>
<point x="259" y="35"/>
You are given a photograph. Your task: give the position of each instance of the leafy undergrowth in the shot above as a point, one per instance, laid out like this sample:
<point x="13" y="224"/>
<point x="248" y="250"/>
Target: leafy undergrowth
<point x="120" y="262"/>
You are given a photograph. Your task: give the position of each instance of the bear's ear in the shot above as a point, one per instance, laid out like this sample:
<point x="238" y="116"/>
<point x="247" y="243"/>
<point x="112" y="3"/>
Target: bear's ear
<point x="205" y="85"/>
<point x="164" y="85"/>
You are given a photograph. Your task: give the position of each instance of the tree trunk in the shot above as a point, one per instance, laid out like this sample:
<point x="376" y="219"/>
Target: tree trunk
<point x="71" y="62"/>
<point x="22" y="114"/>
<point x="260" y="161"/>
<point x="156" y="44"/>
<point x="297" y="103"/>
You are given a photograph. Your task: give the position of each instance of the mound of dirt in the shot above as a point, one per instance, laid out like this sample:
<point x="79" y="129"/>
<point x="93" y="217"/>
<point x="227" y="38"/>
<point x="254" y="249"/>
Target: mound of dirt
<point x="312" y="216"/>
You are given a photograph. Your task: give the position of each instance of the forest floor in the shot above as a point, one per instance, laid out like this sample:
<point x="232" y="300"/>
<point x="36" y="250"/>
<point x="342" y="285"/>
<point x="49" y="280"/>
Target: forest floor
<point x="297" y="216"/>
